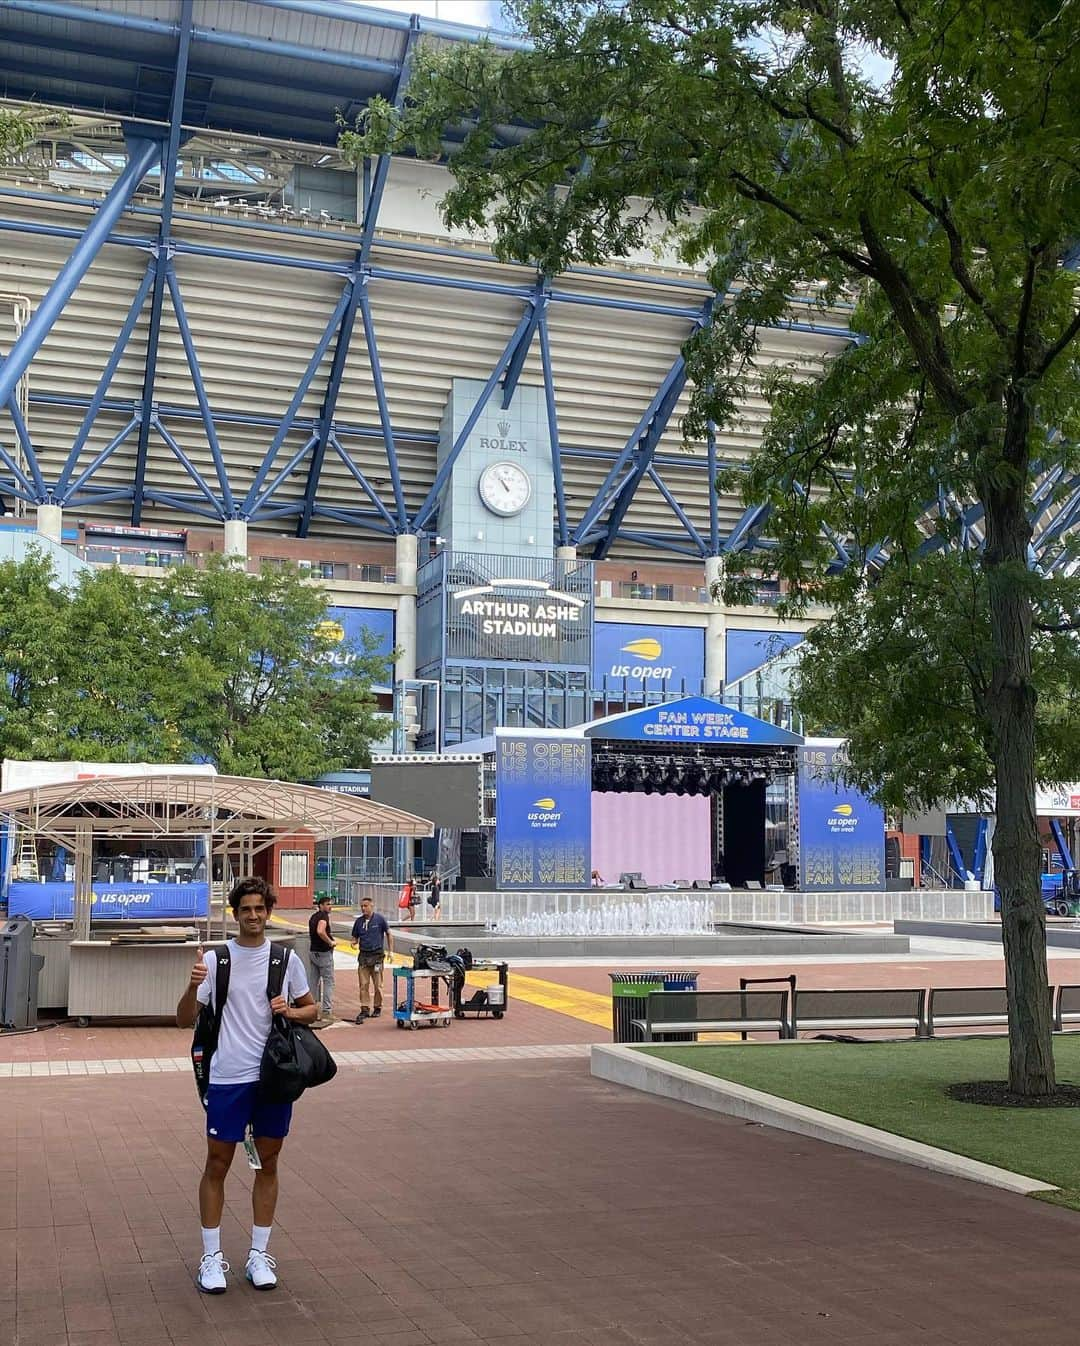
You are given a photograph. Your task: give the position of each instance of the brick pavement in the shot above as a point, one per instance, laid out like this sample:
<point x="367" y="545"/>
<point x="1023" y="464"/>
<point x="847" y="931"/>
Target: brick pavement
<point x="515" y="1203"/>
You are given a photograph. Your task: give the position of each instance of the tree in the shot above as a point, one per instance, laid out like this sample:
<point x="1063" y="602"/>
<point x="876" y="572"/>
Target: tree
<point x="940" y="199"/>
<point x="31" y="607"/>
<point x="114" y="684"/>
<point x="252" y="685"/>
<point x="210" y="666"/>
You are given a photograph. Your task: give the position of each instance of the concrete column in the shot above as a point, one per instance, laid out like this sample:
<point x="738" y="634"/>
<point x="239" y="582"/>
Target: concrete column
<point x="566" y="553"/>
<point x="50" y="521"/>
<point x="716" y="631"/>
<point x="236" y="542"/>
<point x="405" y="631"/>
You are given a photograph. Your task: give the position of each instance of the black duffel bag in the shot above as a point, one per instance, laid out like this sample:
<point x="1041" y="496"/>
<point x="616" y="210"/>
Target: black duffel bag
<point x="293" y="1059"/>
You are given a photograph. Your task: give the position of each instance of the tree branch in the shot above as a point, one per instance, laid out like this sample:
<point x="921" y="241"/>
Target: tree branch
<point x="957" y="263"/>
<point x="1059" y="345"/>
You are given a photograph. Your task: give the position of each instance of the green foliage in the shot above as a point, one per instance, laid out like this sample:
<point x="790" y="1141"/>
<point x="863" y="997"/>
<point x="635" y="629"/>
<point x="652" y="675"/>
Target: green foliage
<point x="906" y="676"/>
<point x="31" y="608"/>
<point x="252" y="683"/>
<point x="935" y="205"/>
<point x="213" y="665"/>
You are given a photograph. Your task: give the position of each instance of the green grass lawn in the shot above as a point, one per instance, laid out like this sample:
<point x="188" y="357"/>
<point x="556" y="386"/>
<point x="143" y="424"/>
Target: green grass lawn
<point x="900" y="1087"/>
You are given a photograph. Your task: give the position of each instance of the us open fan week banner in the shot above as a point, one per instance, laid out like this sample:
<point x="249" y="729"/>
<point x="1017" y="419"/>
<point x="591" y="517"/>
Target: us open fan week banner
<point x="543" y="812"/>
<point x="648" y="655"/>
<point x="110" y="901"/>
<point x="841" y="832"/>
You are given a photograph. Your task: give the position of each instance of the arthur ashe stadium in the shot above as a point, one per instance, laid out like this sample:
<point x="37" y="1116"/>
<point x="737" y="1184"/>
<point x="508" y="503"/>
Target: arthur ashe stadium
<point x="222" y="338"/>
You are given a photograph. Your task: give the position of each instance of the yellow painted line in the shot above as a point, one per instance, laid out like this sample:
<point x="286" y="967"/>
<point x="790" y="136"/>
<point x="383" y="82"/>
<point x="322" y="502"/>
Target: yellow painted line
<point x="587" y="1006"/>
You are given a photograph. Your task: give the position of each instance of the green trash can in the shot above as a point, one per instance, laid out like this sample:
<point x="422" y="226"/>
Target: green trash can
<point x="628" y="990"/>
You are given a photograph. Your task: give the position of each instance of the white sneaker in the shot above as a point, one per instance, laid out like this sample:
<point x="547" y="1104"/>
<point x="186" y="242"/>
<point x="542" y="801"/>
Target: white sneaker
<point x="260" y="1270"/>
<point x="211" y="1278"/>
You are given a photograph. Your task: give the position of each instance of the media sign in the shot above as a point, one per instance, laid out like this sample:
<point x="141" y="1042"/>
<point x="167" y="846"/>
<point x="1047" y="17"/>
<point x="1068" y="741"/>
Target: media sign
<point x="841" y="832"/>
<point x="110" y="901"/>
<point x="543" y="812"/>
<point x="648" y="655"/>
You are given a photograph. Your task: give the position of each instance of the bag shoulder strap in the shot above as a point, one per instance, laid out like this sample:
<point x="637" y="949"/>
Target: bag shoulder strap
<point x="275" y="973"/>
<point x="222" y="968"/>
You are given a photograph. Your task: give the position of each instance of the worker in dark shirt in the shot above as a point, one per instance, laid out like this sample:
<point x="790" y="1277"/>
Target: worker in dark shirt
<point x="371" y="934"/>
<point x="321" y="958"/>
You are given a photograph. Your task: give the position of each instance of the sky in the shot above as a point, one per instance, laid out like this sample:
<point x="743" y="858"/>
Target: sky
<point x="477" y="13"/>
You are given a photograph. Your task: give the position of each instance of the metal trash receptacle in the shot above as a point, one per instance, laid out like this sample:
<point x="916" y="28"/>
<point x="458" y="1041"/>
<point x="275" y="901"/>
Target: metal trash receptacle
<point x="20" y="968"/>
<point x="680" y="981"/>
<point x="628" y="990"/>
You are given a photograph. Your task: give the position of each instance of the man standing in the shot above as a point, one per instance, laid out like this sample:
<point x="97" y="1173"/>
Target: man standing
<point x="232" y="1102"/>
<point x="369" y="932"/>
<point x="321" y="958"/>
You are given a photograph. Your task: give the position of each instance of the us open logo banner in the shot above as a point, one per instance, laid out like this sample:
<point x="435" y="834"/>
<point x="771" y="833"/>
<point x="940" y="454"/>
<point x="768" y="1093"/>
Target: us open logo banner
<point x="543" y="812"/>
<point x="648" y="656"/>
<point x="841" y="832"/>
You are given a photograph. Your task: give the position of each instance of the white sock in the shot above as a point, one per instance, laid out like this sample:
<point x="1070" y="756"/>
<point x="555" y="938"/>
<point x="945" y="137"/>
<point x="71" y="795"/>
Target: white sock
<point x="211" y="1240"/>
<point x="260" y="1237"/>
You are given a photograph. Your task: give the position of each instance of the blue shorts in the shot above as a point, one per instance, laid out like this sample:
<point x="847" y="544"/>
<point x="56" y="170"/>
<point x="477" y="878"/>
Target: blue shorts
<point x="229" y="1108"/>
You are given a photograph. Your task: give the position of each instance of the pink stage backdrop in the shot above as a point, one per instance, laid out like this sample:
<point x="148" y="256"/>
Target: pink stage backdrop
<point x="665" y="837"/>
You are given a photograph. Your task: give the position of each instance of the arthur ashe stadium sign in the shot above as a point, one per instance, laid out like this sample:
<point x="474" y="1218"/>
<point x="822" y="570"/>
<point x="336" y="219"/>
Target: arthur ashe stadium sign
<point x="520" y="619"/>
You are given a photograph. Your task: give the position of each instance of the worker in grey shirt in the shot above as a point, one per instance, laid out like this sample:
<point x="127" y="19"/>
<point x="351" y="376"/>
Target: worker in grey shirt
<point x="321" y="958"/>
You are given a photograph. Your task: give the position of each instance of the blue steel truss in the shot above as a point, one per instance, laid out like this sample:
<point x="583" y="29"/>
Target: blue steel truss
<point x="208" y="50"/>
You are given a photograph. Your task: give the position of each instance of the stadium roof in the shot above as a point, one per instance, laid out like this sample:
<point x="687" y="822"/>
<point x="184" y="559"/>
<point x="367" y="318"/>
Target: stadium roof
<point x="279" y="68"/>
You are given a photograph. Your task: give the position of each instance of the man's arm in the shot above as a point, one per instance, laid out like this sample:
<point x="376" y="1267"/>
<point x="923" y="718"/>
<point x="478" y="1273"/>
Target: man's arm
<point x="187" y="1008"/>
<point x="354" y="938"/>
<point x="388" y="937"/>
<point x="304" y="1011"/>
<point x="323" y="928"/>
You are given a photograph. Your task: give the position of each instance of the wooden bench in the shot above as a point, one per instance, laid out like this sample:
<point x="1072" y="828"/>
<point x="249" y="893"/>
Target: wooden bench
<point x="870" y="1008"/>
<point x="972" y="1007"/>
<point x="1067" y="1007"/>
<point x="714" y="1012"/>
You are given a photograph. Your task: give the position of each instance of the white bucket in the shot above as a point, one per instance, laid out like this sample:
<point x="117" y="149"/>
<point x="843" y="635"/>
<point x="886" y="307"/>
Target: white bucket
<point x="496" y="996"/>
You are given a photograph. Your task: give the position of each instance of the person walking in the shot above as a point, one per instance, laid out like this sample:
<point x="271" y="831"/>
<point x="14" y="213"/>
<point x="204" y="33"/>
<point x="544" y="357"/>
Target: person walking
<point x="370" y="933"/>
<point x="434" y="897"/>
<point x="233" y="1109"/>
<point x="408" y="900"/>
<point x="321" y="958"/>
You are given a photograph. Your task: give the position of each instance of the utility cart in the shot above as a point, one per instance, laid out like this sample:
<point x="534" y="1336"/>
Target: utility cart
<point x="411" y="985"/>
<point x="484" y="999"/>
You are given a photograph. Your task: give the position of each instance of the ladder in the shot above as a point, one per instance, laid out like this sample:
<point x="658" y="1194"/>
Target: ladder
<point x="26" y="866"/>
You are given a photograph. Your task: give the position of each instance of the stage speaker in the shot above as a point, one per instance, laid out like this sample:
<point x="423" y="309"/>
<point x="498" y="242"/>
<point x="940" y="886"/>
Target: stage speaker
<point x="474" y="855"/>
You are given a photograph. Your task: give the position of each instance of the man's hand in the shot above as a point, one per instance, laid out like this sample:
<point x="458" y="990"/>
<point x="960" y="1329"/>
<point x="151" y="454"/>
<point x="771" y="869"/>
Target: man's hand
<point x="198" y="972"/>
<point x="279" y="1005"/>
<point x="187" y="1010"/>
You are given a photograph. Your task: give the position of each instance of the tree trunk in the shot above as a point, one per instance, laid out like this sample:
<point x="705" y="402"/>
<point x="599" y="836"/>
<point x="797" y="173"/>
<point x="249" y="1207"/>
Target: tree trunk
<point x="1010" y="706"/>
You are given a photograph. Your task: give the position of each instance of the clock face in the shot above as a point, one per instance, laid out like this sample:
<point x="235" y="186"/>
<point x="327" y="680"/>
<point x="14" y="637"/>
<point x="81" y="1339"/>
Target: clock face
<point x="505" y="488"/>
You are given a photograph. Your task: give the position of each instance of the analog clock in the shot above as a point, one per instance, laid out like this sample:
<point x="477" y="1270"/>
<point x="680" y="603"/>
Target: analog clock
<point x="505" y="488"/>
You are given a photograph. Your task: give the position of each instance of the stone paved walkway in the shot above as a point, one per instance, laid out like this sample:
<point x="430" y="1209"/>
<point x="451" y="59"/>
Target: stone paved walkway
<point x="514" y="1202"/>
